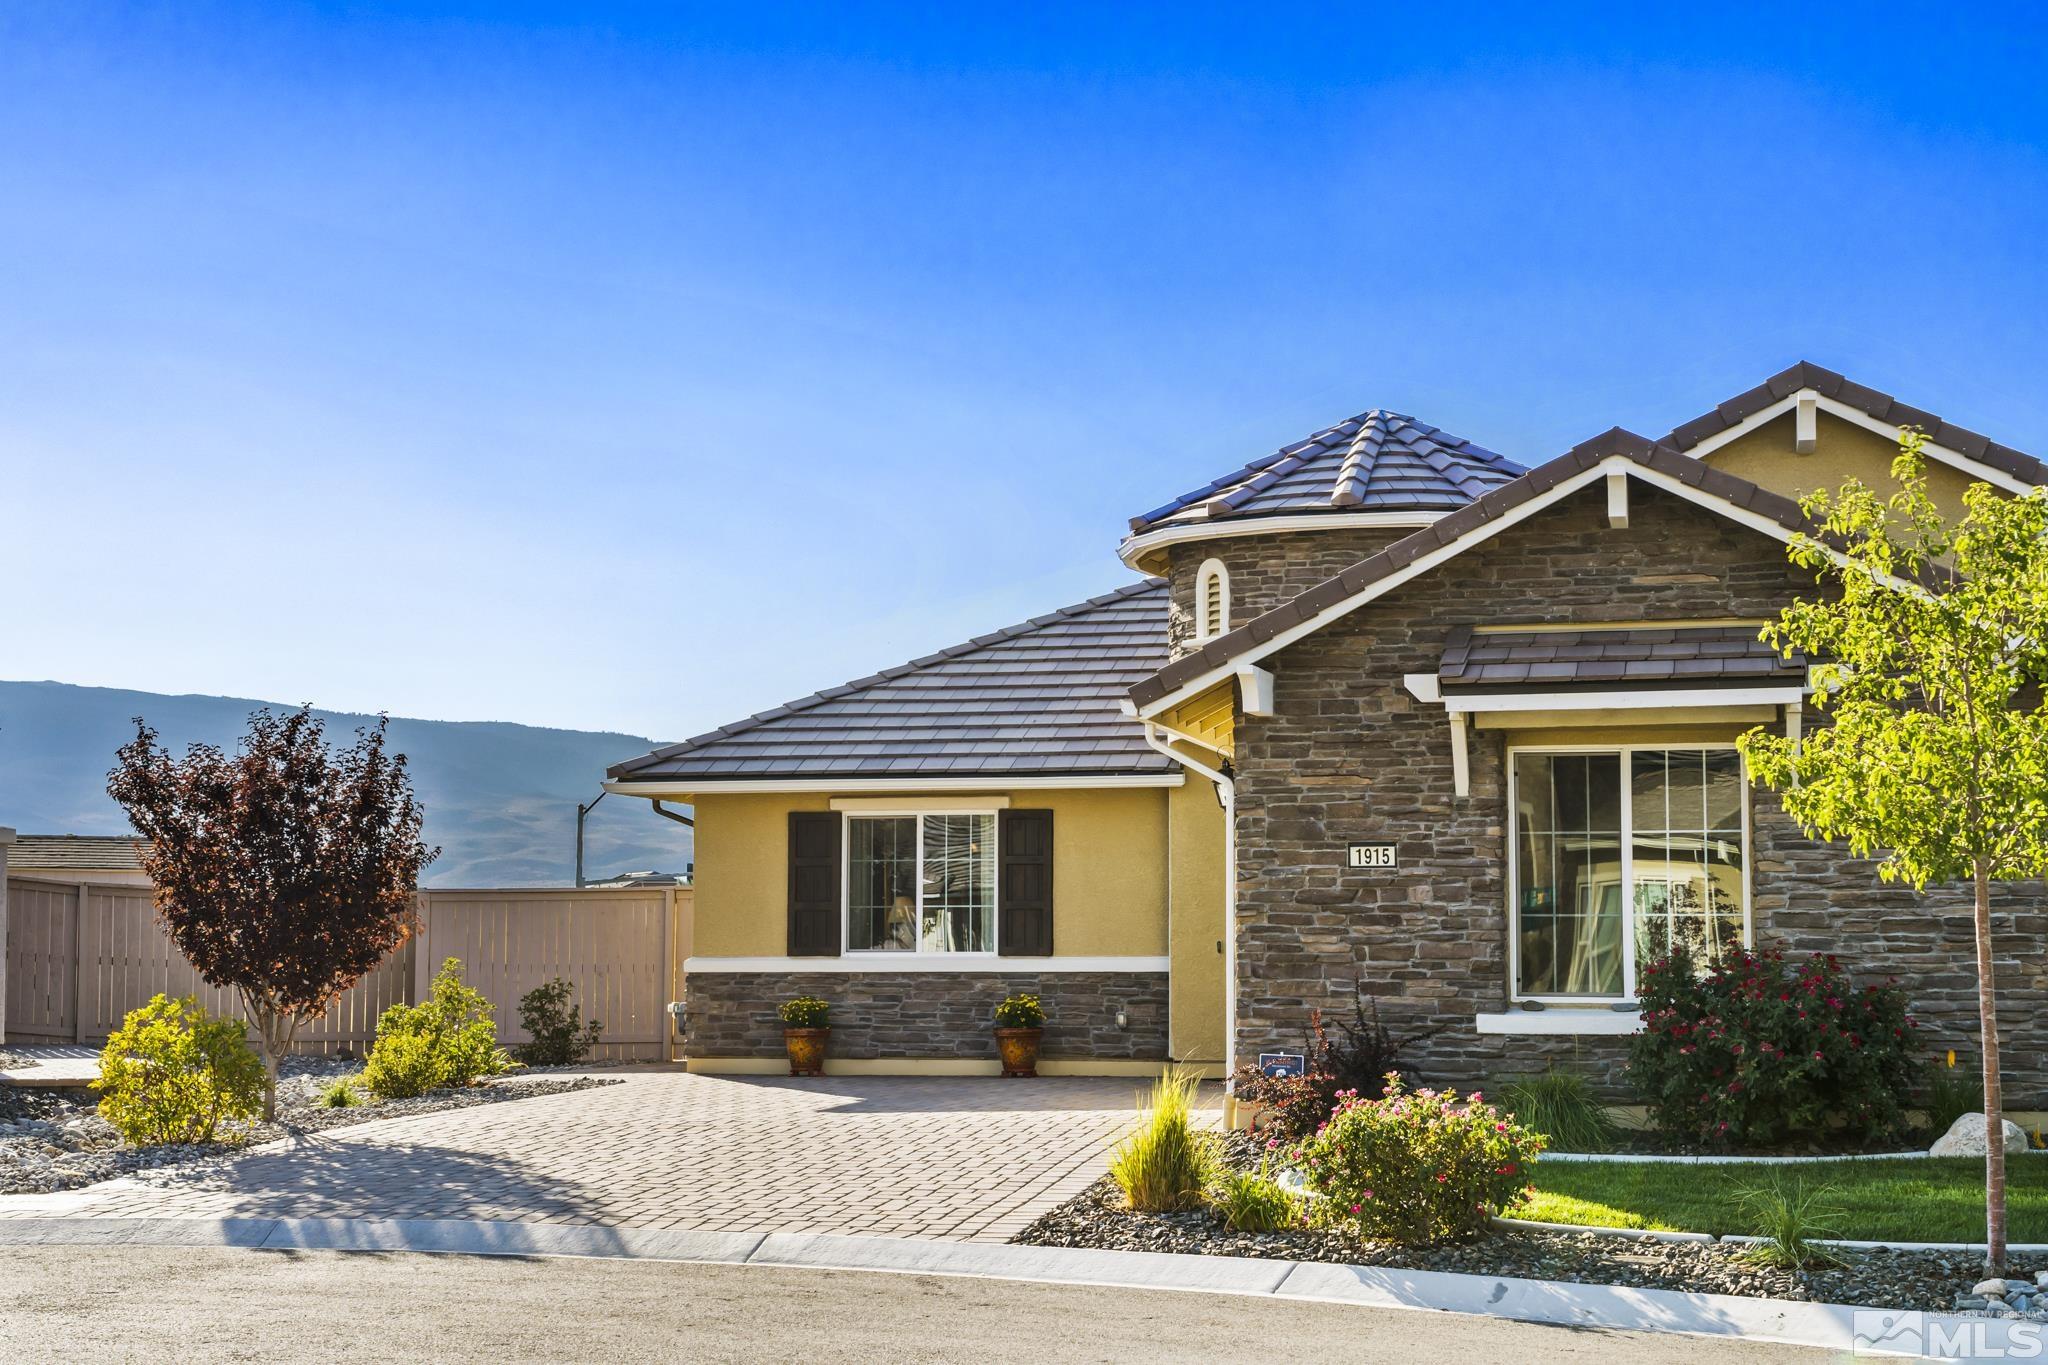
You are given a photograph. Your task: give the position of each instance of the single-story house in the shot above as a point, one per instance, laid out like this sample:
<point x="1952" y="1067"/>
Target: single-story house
<point x="1386" y="712"/>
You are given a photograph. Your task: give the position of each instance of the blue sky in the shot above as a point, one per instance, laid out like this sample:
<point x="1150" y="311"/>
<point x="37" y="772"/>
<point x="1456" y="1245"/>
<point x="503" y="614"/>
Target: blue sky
<point x="638" y="368"/>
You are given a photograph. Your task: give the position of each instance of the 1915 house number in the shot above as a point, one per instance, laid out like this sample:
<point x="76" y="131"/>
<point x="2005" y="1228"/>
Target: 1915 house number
<point x="1374" y="855"/>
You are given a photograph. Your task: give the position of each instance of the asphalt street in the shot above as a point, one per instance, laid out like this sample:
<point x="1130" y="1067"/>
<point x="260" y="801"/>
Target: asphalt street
<point x="216" y="1304"/>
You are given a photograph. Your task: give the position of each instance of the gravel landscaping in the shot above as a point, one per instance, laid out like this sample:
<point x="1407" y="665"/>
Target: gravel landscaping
<point x="1926" y="1280"/>
<point x="55" y="1140"/>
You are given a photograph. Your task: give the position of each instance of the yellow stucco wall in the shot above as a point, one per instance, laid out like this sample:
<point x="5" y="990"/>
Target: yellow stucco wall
<point x="1841" y="450"/>
<point x="1196" y="993"/>
<point x="1109" y="870"/>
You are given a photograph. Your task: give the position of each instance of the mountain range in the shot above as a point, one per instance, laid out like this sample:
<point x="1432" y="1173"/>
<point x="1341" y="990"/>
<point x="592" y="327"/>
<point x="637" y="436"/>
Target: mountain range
<point x="500" y="799"/>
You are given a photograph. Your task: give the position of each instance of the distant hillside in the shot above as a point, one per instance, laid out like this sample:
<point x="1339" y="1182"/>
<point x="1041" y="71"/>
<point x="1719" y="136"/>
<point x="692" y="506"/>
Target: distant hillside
<point x="500" y="799"/>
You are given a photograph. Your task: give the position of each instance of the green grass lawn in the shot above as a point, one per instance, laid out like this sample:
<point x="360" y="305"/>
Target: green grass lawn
<point x="1920" y="1201"/>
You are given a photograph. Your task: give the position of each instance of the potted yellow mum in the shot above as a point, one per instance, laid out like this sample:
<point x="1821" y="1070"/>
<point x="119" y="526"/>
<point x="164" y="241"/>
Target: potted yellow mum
<point x="806" y="1027"/>
<point x="1020" y="1024"/>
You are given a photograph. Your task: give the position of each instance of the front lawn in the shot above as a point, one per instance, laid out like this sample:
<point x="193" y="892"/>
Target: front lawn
<point x="1938" y="1200"/>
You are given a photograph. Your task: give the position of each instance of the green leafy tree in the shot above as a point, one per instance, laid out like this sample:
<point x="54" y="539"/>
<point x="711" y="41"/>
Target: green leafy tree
<point x="1928" y="662"/>
<point x="284" y="871"/>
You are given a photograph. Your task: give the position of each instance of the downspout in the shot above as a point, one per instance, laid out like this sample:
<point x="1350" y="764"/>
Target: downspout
<point x="1226" y="792"/>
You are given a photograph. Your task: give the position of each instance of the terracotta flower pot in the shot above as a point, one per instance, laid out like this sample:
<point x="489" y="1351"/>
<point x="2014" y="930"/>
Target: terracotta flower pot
<point x="1019" y="1047"/>
<point x="806" y="1047"/>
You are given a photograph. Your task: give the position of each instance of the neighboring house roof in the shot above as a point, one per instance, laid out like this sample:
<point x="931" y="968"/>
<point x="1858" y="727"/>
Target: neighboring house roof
<point x="1471" y="525"/>
<point x="1374" y="462"/>
<point x="75" y="852"/>
<point x="1040" y="699"/>
<point x="1880" y="406"/>
<point x="1695" y="655"/>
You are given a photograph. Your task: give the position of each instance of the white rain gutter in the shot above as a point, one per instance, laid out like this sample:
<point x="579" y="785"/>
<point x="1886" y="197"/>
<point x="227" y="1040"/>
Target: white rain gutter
<point x="1226" y="792"/>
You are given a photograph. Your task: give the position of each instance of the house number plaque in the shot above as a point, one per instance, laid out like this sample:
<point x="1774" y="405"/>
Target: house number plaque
<point x="1374" y="855"/>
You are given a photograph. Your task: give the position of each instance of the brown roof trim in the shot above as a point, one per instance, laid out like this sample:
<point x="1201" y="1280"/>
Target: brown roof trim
<point x="1882" y="406"/>
<point x="1455" y="526"/>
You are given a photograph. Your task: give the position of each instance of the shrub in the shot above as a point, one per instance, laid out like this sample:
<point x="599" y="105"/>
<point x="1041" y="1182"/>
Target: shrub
<point x="341" y="1094"/>
<point x="1168" y="1162"/>
<point x="554" y="1023"/>
<point x="1952" y="1093"/>
<point x="1755" y="1052"/>
<point x="1356" y="1061"/>
<point x="403" y="1066"/>
<point x="1252" y="1201"/>
<point x="1020" y="1011"/>
<point x="1559" y="1105"/>
<point x="449" y="1039"/>
<point x="1416" y="1168"/>
<point x="172" y="1072"/>
<point x="806" y="1011"/>
<point x="1790" y="1216"/>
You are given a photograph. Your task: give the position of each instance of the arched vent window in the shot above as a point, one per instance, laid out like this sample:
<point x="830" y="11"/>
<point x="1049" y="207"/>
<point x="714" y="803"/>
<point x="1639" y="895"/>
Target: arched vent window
<point x="1212" y="600"/>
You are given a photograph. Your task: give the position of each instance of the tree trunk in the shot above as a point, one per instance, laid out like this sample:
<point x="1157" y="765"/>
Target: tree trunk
<point x="1994" y="1108"/>
<point x="267" y="1023"/>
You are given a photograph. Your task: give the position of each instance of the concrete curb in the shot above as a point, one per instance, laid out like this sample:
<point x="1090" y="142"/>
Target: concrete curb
<point x="1827" y="1326"/>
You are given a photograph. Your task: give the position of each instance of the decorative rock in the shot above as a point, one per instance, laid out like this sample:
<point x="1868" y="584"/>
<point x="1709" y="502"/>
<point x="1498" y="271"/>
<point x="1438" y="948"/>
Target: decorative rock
<point x="1965" y="1137"/>
<point x="1969" y="1302"/>
<point x="1993" y="1289"/>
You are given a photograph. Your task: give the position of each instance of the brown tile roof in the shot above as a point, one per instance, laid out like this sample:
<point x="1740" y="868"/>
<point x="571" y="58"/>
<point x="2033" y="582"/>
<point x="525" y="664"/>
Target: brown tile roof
<point x="1041" y="699"/>
<point x="75" y="852"/>
<point x="1882" y="406"/>
<point x="1699" y="656"/>
<point x="1375" y="462"/>
<point x="1455" y="526"/>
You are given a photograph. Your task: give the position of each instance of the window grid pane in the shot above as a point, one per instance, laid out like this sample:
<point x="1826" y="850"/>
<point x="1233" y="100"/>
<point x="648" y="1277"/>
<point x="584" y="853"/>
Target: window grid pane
<point x="1568" y="874"/>
<point x="881" y="884"/>
<point x="959" y="884"/>
<point x="1684" y="832"/>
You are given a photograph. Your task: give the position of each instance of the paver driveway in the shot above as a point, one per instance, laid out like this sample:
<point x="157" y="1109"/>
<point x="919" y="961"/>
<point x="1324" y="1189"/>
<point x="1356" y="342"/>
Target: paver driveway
<point x="963" y="1158"/>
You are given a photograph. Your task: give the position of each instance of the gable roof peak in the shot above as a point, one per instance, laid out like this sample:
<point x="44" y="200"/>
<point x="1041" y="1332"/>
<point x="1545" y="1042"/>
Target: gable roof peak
<point x="1860" y="402"/>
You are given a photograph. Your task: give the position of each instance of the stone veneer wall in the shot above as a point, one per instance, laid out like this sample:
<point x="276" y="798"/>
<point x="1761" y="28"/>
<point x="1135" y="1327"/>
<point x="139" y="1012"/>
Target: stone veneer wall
<point x="928" y="1015"/>
<point x="1351" y="757"/>
<point x="1265" y="571"/>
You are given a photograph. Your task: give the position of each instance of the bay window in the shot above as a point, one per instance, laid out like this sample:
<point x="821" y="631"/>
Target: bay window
<point x="923" y="883"/>
<point x="1619" y="854"/>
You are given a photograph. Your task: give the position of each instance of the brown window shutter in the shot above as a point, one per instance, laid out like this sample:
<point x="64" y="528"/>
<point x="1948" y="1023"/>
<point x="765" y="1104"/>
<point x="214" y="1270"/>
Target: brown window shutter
<point x="814" y="883"/>
<point x="1024" y="896"/>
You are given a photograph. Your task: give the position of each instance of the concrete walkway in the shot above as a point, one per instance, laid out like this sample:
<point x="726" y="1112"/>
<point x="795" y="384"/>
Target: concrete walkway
<point x="67" y="1067"/>
<point x="954" y="1158"/>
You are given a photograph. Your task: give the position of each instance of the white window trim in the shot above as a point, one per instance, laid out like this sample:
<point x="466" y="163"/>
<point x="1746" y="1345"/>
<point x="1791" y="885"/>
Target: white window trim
<point x="1212" y="585"/>
<point x="1625" y="752"/>
<point x="917" y="813"/>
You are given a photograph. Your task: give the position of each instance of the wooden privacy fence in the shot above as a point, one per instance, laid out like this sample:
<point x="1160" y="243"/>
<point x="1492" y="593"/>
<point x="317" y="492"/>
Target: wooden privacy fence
<point x="81" y="955"/>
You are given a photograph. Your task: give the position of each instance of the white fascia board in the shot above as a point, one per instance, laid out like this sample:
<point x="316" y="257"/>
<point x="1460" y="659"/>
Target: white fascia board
<point x="959" y="963"/>
<point x="1479" y="535"/>
<point x="683" y="789"/>
<point x="1175" y="532"/>
<point x="1997" y="478"/>
<point x="1589" y="700"/>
